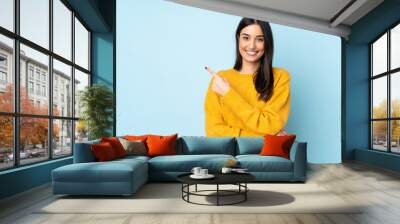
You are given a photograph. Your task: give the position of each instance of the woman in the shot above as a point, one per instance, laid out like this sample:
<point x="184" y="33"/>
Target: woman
<point x="251" y="99"/>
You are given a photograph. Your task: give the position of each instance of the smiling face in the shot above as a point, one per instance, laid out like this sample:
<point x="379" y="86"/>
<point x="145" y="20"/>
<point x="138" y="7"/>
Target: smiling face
<point x="251" y="43"/>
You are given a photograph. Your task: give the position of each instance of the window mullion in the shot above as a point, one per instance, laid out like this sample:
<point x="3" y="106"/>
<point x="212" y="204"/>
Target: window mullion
<point x="50" y="81"/>
<point x="389" y="114"/>
<point x="16" y="84"/>
<point x="73" y="82"/>
<point x="371" y="89"/>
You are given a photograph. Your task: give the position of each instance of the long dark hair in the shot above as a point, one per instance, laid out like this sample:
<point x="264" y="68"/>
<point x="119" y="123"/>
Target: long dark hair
<point x="264" y="79"/>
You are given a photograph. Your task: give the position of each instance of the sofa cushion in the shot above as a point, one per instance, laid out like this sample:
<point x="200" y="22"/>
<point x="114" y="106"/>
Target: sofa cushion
<point x="249" y="145"/>
<point x="185" y="163"/>
<point x="257" y="163"/>
<point x="83" y="152"/>
<point x="135" y="147"/>
<point x="103" y="151"/>
<point x="116" y="145"/>
<point x="197" y="145"/>
<point x="277" y="145"/>
<point x="161" y="145"/>
<point x="111" y="171"/>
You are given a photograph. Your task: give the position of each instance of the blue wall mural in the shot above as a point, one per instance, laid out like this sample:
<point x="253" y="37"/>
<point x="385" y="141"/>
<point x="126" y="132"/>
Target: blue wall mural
<point x="162" y="48"/>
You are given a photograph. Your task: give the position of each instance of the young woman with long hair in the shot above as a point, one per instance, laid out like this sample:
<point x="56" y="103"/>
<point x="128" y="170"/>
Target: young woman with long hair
<point x="252" y="98"/>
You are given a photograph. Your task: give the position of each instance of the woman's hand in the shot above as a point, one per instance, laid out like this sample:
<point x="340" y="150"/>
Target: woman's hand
<point x="219" y="84"/>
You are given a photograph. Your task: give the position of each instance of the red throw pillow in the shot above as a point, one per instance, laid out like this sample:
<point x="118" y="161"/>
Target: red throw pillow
<point x="116" y="145"/>
<point x="161" y="145"/>
<point x="277" y="145"/>
<point x="136" y="137"/>
<point x="103" y="151"/>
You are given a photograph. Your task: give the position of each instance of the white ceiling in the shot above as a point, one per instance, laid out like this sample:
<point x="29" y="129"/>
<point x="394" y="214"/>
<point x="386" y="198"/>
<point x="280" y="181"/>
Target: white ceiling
<point x="325" y="16"/>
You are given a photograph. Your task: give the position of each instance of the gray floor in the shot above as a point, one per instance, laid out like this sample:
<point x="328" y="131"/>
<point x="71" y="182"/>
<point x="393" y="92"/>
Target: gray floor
<point x="378" y="188"/>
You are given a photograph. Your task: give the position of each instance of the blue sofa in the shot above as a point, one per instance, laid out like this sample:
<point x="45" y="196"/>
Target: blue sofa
<point x="125" y="176"/>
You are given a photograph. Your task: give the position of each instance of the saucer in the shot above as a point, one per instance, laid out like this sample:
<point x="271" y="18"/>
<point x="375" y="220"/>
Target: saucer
<point x="208" y="176"/>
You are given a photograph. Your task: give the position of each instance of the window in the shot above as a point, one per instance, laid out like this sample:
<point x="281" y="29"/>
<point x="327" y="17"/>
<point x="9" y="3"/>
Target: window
<point x="62" y="29"/>
<point x="37" y="75"/>
<point x="30" y="72"/>
<point x="30" y="87"/>
<point x="3" y="61"/>
<point x="6" y="142"/>
<point x="3" y="78"/>
<point x="385" y="91"/>
<point x="38" y="89"/>
<point x="43" y="90"/>
<point x="7" y="14"/>
<point x="54" y="126"/>
<point x="6" y="73"/>
<point x="81" y="45"/>
<point x="35" y="21"/>
<point x="62" y="74"/>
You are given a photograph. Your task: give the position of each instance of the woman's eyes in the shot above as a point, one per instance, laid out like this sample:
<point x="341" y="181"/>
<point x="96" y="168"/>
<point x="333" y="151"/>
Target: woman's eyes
<point x="258" y="40"/>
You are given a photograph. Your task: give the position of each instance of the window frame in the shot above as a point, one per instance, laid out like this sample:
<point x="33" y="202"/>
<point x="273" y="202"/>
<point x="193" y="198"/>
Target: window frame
<point x="15" y="72"/>
<point x="388" y="74"/>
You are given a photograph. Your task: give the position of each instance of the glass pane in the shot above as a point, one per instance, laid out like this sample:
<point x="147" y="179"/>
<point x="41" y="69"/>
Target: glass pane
<point x="395" y="136"/>
<point x="34" y="82"/>
<point x="62" y="29"/>
<point x="81" y="81"/>
<point x="62" y="137"/>
<point x="379" y="98"/>
<point x="379" y="55"/>
<point x="6" y="74"/>
<point x="81" y="131"/>
<point x="395" y="94"/>
<point x="33" y="139"/>
<point x="7" y="14"/>
<point x="379" y="135"/>
<point x="395" y="47"/>
<point x="6" y="142"/>
<point x="62" y="89"/>
<point x="81" y="45"/>
<point x="35" y="21"/>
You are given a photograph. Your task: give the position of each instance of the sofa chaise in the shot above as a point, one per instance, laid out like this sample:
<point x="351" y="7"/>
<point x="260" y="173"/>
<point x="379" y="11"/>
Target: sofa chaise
<point x="126" y="175"/>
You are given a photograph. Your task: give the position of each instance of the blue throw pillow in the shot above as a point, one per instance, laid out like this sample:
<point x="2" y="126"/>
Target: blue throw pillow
<point x="192" y="145"/>
<point x="249" y="145"/>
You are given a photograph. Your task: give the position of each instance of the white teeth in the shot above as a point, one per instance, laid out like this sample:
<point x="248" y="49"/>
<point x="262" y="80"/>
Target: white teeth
<point x="252" y="53"/>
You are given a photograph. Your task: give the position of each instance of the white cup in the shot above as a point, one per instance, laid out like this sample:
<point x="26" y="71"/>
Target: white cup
<point x="196" y="171"/>
<point x="226" y="170"/>
<point x="203" y="172"/>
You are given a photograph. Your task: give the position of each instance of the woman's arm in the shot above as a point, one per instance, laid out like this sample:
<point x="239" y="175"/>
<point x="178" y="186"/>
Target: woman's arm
<point x="272" y="117"/>
<point x="215" y="124"/>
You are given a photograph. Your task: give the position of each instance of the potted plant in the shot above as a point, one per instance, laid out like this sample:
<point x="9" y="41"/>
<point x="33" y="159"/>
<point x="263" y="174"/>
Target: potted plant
<point x="97" y="104"/>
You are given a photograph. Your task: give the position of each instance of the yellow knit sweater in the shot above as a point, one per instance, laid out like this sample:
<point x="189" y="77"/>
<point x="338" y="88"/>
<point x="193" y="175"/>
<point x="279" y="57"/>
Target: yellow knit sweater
<point x="240" y="113"/>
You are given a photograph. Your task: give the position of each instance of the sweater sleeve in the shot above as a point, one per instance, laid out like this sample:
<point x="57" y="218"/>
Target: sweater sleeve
<point x="215" y="124"/>
<point x="269" y="119"/>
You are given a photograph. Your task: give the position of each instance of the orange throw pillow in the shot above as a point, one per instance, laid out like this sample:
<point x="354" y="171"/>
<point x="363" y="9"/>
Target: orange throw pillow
<point x="136" y="137"/>
<point x="103" y="151"/>
<point x="116" y="145"/>
<point x="161" y="145"/>
<point x="277" y="145"/>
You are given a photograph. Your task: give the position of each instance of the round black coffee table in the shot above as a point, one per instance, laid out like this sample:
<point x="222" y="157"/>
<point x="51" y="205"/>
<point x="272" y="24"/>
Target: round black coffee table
<point x="238" y="179"/>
